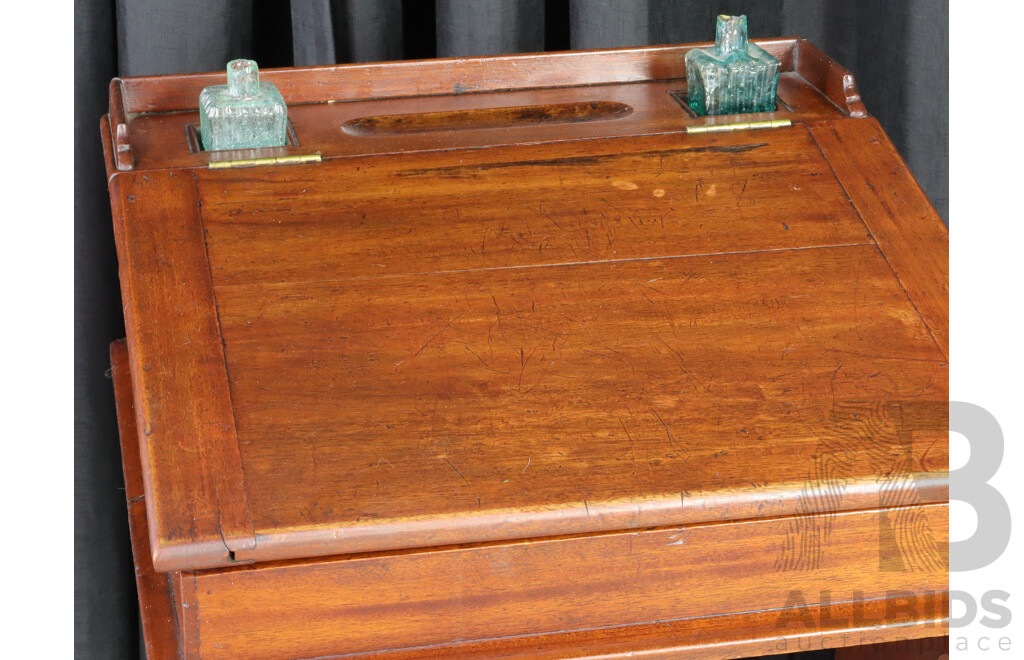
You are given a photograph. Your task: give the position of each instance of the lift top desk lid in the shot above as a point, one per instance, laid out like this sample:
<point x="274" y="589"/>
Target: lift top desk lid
<point x="490" y="299"/>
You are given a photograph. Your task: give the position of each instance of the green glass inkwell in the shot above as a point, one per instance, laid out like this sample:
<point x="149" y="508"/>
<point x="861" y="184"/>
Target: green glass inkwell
<point x="244" y="114"/>
<point x="735" y="76"/>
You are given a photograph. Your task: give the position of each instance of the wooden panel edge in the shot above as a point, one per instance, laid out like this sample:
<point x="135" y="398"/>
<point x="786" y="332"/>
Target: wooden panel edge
<point x="188" y="607"/>
<point x="184" y="416"/>
<point x="748" y="504"/>
<point x="106" y="140"/>
<point x="156" y="599"/>
<point x="897" y="213"/>
<point x="710" y="638"/>
<point x="555" y="586"/>
<point x="119" y="116"/>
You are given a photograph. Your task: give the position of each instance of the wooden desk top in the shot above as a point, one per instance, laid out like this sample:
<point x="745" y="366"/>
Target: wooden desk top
<point x="473" y="326"/>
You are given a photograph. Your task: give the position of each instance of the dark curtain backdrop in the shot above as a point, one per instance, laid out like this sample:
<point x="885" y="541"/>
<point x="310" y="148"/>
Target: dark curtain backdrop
<point x="898" y="52"/>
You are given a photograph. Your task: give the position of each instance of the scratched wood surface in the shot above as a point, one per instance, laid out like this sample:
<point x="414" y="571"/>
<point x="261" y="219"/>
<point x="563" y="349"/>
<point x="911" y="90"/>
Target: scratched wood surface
<point x="569" y="397"/>
<point x="897" y="213"/>
<point x="555" y="338"/>
<point x="193" y="480"/>
<point x="432" y="597"/>
<point x="575" y="202"/>
<point x="313" y="619"/>
<point x="422" y="343"/>
<point x="560" y="338"/>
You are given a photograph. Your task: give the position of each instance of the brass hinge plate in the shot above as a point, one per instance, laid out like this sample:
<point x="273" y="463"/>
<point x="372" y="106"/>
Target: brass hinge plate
<point x="739" y="126"/>
<point x="262" y="162"/>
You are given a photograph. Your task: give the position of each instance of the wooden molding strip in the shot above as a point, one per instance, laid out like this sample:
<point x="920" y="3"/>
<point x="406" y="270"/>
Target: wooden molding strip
<point x="185" y="587"/>
<point x="156" y="598"/>
<point x="392" y="601"/>
<point x="899" y="216"/>
<point x="745" y="504"/>
<point x="185" y="420"/>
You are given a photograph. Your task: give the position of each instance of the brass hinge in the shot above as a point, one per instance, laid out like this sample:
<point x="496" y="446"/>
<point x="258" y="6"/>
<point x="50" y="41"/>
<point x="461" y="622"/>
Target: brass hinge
<point x="739" y="126"/>
<point x="257" y="162"/>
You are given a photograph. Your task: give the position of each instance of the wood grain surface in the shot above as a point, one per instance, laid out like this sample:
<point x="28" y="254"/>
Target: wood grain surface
<point x="809" y="620"/>
<point x="560" y="338"/>
<point x="157" y="602"/>
<point x="576" y="202"/>
<point x="198" y="511"/>
<point x="897" y="213"/>
<point x="899" y="620"/>
<point x="430" y="597"/>
<point x="548" y="339"/>
<point x="501" y="404"/>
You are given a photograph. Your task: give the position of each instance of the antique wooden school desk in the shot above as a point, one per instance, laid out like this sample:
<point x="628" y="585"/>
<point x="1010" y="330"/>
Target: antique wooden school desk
<point x="514" y="357"/>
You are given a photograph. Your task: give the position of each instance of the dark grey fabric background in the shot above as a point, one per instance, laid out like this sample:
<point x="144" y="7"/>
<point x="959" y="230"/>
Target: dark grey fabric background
<point x="898" y="52"/>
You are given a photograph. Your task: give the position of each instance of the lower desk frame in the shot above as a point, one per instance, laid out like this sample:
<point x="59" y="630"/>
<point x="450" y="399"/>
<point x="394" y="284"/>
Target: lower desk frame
<point x="700" y="591"/>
